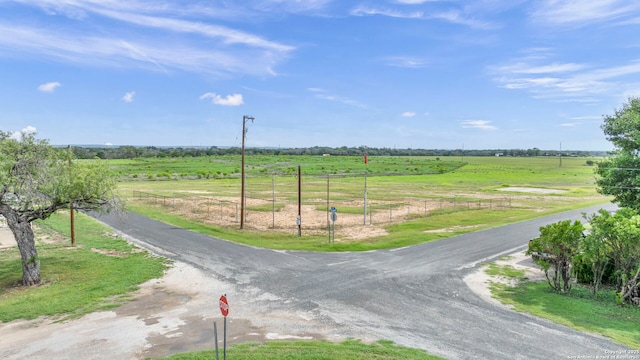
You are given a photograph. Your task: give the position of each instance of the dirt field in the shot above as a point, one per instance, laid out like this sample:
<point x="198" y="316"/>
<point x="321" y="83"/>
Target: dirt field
<point x="350" y="225"/>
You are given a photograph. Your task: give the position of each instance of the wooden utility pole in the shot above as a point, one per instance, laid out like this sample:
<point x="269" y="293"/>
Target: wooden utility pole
<point x="561" y="154"/>
<point x="245" y="118"/>
<point x="299" y="218"/>
<point x="71" y="209"/>
<point x="328" y="223"/>
<point x="366" y="162"/>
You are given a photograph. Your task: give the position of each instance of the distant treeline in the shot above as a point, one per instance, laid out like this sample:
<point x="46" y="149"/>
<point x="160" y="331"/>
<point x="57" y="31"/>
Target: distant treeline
<point x="130" y="152"/>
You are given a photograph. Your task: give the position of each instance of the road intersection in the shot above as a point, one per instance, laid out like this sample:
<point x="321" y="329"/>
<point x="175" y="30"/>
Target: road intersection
<point x="414" y="296"/>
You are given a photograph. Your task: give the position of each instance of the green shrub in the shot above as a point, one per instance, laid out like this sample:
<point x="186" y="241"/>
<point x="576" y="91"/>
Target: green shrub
<point x="584" y="274"/>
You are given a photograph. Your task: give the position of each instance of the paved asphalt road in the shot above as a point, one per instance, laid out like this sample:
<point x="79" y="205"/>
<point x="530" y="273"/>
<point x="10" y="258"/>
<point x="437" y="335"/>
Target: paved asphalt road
<point x="414" y="296"/>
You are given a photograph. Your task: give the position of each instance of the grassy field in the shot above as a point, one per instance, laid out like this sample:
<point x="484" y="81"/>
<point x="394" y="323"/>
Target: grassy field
<point x="228" y="166"/>
<point x="578" y="309"/>
<point x="403" y="209"/>
<point x="96" y="274"/>
<point x="479" y="171"/>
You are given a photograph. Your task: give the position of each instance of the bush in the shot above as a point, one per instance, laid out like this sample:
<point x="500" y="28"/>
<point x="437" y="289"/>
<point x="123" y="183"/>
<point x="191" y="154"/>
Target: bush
<point x="584" y="274"/>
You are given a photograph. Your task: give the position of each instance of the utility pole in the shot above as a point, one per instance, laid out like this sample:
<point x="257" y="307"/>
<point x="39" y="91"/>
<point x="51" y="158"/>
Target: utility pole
<point x="299" y="218"/>
<point x="245" y="118"/>
<point x="71" y="209"/>
<point x="366" y="162"/>
<point x="561" y="154"/>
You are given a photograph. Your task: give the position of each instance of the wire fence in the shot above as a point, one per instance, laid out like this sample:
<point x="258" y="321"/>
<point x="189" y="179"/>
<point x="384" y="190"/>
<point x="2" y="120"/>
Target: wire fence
<point x="278" y="210"/>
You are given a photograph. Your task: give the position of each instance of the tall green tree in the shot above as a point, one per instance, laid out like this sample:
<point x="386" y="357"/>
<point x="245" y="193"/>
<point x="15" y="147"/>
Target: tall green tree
<point x="595" y="249"/>
<point x="624" y="247"/>
<point x="615" y="238"/>
<point x="36" y="181"/>
<point x="619" y="175"/>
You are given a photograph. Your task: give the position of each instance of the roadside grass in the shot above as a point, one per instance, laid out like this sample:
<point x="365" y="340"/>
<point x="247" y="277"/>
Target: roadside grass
<point x="96" y="274"/>
<point x="311" y="350"/>
<point x="507" y="271"/>
<point x="577" y="309"/>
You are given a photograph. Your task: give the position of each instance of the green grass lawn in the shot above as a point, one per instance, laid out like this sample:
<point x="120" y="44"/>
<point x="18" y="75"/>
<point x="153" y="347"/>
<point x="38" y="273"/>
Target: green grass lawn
<point x="578" y="309"/>
<point x="312" y="350"/>
<point x="96" y="274"/>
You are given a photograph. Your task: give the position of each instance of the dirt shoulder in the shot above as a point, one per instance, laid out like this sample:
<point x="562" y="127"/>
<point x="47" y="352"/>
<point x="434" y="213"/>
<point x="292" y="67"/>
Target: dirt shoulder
<point x="166" y="316"/>
<point x="478" y="281"/>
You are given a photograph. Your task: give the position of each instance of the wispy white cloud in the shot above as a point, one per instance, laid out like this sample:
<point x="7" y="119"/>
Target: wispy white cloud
<point x="324" y="95"/>
<point x="589" y="117"/>
<point x="451" y="16"/>
<point x="564" y="81"/>
<point x="571" y="125"/>
<point x="523" y="68"/>
<point x="478" y="124"/>
<point x="459" y="18"/>
<point x="152" y="54"/>
<point x="135" y="38"/>
<point x="366" y="10"/>
<point x="408" y="114"/>
<point x="579" y="13"/>
<point x="405" y="62"/>
<point x="229" y="100"/>
<point x="291" y="6"/>
<point x="128" y="97"/>
<point x="49" y="87"/>
<point x="225" y="34"/>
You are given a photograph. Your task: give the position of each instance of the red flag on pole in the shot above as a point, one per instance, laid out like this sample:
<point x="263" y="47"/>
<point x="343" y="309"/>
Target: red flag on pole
<point x="365" y="159"/>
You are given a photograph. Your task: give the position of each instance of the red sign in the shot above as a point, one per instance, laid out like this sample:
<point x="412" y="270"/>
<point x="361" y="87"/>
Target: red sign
<point x="365" y="158"/>
<point x="224" y="306"/>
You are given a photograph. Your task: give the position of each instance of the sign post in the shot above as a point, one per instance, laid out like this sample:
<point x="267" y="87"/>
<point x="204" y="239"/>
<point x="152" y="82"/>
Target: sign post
<point x="334" y="217"/>
<point x="215" y="337"/>
<point x="224" y="309"/>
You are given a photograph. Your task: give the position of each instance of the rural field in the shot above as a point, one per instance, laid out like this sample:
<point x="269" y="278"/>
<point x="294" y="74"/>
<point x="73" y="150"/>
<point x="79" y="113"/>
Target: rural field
<point x="409" y="199"/>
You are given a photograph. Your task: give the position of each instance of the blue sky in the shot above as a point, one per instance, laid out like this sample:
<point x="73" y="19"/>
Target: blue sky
<point x="484" y="74"/>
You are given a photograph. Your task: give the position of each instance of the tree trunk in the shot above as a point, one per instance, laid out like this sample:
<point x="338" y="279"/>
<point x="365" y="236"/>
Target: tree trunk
<point x="630" y="287"/>
<point x="597" y="268"/>
<point x="23" y="233"/>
